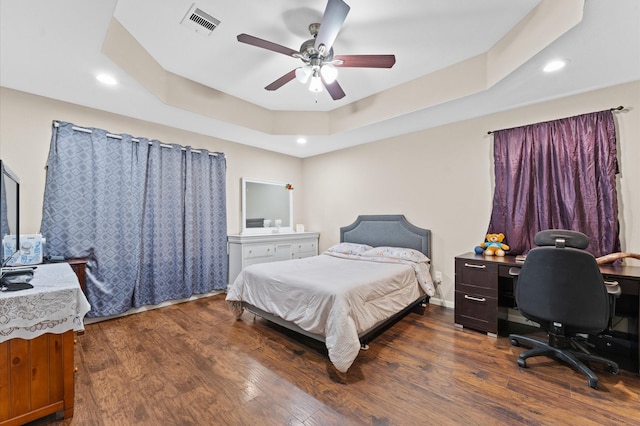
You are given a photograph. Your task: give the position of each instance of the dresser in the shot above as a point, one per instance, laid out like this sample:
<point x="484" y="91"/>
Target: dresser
<point x="245" y="250"/>
<point x="484" y="293"/>
<point x="37" y="345"/>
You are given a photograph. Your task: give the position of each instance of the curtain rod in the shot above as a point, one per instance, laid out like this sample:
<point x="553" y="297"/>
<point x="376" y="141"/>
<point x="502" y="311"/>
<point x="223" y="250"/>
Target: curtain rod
<point x="618" y="108"/>
<point x="111" y="135"/>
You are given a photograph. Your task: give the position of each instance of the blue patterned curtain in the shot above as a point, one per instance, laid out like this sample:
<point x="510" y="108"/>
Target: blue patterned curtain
<point x="150" y="217"/>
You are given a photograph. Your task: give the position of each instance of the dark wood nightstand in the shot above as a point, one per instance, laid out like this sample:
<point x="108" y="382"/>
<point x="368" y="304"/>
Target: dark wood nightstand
<point x="78" y="266"/>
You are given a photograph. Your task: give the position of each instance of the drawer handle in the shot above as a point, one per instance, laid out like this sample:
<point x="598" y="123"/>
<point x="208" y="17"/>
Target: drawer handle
<point x="475" y="299"/>
<point x="611" y="282"/>
<point x="471" y="265"/>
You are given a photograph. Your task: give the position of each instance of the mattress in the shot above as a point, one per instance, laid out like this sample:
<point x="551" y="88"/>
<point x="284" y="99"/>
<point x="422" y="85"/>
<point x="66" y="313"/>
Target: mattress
<point x="333" y="295"/>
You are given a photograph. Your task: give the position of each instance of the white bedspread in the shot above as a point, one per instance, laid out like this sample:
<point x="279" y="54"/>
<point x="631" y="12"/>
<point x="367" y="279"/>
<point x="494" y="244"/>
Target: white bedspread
<point x="331" y="295"/>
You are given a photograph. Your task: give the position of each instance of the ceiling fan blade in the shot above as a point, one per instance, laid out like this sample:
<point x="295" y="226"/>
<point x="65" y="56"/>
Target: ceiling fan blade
<point x="366" y="61"/>
<point x="332" y="20"/>
<point x="335" y="90"/>
<point x="282" y="80"/>
<point x="258" y="42"/>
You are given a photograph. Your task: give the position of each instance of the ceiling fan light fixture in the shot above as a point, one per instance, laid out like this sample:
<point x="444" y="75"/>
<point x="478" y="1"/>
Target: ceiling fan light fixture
<point x="315" y="85"/>
<point x="303" y="74"/>
<point x="329" y="73"/>
<point x="317" y="52"/>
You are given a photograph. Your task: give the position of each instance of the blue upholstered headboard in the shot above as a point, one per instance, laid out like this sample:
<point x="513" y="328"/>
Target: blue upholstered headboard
<point x="387" y="230"/>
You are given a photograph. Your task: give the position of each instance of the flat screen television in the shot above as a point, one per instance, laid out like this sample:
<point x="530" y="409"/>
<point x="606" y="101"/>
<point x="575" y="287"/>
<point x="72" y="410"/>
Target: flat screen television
<point x="9" y="210"/>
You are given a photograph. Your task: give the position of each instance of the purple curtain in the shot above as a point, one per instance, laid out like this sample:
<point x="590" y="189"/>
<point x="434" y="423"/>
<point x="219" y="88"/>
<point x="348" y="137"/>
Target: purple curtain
<point x="557" y="175"/>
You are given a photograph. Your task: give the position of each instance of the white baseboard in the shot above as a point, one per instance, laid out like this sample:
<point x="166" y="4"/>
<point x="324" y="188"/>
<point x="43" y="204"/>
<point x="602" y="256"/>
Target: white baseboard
<point x="440" y="302"/>
<point x="150" y="307"/>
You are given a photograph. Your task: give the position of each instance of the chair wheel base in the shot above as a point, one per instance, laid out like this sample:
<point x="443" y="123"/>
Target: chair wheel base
<point x="573" y="356"/>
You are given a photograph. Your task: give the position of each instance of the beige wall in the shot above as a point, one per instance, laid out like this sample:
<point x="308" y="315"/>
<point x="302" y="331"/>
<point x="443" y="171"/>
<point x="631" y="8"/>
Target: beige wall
<point x="25" y="134"/>
<point x="439" y="178"/>
<point x="442" y="178"/>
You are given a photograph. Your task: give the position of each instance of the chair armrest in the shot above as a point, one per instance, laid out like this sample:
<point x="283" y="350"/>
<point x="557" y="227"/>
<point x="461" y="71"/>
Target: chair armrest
<point x="613" y="288"/>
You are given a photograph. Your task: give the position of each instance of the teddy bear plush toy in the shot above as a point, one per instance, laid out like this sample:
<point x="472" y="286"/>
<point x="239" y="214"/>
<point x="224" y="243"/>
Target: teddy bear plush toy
<point x="493" y="246"/>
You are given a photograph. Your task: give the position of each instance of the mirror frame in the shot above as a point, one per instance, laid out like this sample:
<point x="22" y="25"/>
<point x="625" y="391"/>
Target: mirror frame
<point x="270" y="230"/>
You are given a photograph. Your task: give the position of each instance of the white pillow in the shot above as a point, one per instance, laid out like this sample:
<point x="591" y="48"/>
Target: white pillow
<point x="400" y="253"/>
<point x="349" y="248"/>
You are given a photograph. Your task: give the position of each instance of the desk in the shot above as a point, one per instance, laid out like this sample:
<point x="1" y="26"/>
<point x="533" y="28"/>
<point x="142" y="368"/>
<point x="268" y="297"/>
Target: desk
<point x="36" y="345"/>
<point x="484" y="292"/>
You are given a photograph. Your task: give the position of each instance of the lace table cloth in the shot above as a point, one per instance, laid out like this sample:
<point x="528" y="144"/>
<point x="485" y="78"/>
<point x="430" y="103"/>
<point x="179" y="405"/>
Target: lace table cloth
<point x="55" y="304"/>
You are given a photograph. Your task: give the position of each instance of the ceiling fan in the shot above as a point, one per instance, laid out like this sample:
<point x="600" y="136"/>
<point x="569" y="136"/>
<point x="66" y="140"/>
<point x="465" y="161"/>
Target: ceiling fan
<point x="317" y="54"/>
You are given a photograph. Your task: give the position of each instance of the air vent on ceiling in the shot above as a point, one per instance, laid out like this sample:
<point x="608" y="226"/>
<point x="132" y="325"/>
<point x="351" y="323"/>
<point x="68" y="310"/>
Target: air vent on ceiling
<point x="199" y="21"/>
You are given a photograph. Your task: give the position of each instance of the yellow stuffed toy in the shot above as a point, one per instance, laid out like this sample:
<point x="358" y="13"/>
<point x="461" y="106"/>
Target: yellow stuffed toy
<point x="492" y="246"/>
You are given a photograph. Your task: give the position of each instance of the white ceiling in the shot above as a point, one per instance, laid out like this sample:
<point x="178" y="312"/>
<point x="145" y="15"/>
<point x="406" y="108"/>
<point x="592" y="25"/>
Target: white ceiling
<point x="53" y="48"/>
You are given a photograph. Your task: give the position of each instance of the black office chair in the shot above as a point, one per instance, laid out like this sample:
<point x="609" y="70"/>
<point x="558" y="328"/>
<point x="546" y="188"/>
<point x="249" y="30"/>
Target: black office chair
<point x="561" y="288"/>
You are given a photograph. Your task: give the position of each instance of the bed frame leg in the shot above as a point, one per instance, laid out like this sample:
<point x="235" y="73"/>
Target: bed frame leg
<point x="364" y="347"/>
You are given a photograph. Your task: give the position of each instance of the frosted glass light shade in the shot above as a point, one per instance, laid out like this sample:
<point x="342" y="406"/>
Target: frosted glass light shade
<point x="315" y="85"/>
<point x="303" y="74"/>
<point x="329" y="73"/>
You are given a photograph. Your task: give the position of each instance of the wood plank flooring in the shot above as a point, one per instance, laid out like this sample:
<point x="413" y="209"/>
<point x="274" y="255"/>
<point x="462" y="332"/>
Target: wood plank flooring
<point x="193" y="364"/>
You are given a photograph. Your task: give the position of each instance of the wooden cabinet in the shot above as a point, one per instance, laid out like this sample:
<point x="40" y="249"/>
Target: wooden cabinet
<point x="245" y="250"/>
<point x="36" y="378"/>
<point x="37" y="348"/>
<point x="78" y="266"/>
<point x="476" y="295"/>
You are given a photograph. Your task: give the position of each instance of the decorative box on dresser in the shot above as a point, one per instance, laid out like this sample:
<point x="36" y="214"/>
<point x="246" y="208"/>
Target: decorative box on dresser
<point x="245" y="250"/>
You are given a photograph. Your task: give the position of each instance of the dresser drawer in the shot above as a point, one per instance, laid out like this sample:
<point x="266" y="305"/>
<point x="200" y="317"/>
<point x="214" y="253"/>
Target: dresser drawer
<point x="258" y="250"/>
<point x="476" y="311"/>
<point x="305" y="246"/>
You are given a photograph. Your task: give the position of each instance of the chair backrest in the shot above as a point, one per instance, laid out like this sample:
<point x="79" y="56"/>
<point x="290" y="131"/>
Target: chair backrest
<point x="560" y="282"/>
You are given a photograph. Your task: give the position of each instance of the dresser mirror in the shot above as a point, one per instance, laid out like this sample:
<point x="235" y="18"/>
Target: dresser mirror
<point x="267" y="207"/>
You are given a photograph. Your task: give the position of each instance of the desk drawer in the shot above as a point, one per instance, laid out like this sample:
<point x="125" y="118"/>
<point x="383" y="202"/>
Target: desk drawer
<point x="477" y="273"/>
<point x="626" y="285"/>
<point x="477" y="312"/>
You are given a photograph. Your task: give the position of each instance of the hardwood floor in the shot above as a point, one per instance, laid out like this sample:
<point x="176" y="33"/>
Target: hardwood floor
<point x="193" y="364"/>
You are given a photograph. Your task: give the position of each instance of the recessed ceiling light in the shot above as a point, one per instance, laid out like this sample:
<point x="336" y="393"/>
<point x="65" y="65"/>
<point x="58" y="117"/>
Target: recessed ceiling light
<point x="107" y="79"/>
<point x="554" y="65"/>
<point x="301" y="141"/>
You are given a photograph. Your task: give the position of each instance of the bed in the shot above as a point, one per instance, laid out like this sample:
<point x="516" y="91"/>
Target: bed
<point x="347" y="295"/>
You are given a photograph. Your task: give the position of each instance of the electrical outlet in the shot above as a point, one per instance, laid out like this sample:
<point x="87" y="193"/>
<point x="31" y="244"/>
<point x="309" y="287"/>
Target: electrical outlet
<point x="438" y="276"/>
